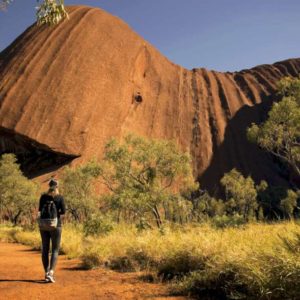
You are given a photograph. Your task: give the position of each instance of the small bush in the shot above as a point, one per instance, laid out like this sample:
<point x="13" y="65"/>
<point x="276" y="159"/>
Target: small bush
<point x="228" y="221"/>
<point x="140" y="259"/>
<point x="17" y="193"/>
<point x="142" y="225"/>
<point x="180" y="264"/>
<point x="7" y="233"/>
<point x="213" y="284"/>
<point x="91" y="260"/>
<point x="122" y="264"/>
<point x="97" y="225"/>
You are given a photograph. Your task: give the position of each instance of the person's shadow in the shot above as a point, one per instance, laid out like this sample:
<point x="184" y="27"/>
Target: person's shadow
<point x="24" y="280"/>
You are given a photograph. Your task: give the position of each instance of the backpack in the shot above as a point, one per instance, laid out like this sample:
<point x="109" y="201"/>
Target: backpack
<point x="48" y="218"/>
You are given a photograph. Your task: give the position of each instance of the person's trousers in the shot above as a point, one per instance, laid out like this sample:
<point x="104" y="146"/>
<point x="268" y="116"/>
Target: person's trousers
<point x="55" y="237"/>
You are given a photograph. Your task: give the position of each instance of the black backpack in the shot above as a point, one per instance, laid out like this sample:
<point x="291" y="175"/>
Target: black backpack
<point x="48" y="217"/>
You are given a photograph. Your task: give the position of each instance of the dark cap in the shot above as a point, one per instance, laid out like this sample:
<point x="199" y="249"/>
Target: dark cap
<point x="53" y="183"/>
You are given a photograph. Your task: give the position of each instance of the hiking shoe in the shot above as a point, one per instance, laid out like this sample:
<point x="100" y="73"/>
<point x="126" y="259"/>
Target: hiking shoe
<point x="51" y="276"/>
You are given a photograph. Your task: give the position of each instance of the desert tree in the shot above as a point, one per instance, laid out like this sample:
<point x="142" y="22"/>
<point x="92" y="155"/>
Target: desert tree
<point x="206" y="206"/>
<point x="241" y="194"/>
<point x="289" y="204"/>
<point x="18" y="195"/>
<point x="146" y="176"/>
<point x="280" y="133"/>
<point x="78" y="186"/>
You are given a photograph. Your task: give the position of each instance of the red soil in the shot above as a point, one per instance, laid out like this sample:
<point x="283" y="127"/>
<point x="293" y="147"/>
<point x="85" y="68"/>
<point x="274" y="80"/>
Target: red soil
<point x="21" y="277"/>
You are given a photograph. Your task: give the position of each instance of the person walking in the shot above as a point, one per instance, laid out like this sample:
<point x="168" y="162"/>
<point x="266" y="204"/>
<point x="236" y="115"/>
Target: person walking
<point x="51" y="203"/>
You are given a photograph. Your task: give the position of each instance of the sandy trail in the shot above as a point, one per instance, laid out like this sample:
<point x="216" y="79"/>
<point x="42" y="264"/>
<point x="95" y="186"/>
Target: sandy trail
<point x="21" y="277"/>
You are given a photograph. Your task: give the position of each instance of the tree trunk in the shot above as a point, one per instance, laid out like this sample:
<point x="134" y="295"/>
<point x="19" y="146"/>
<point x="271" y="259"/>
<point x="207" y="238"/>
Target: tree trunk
<point x="157" y="216"/>
<point x="16" y="217"/>
<point x="167" y="211"/>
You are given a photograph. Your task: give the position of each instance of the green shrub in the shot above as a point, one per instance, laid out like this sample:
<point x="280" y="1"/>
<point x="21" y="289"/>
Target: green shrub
<point x="241" y="194"/>
<point x="121" y="264"/>
<point x="140" y="259"/>
<point x="7" y="232"/>
<point x="97" y="225"/>
<point x="228" y="221"/>
<point x="78" y="188"/>
<point x="17" y="193"/>
<point x="213" y="284"/>
<point x="180" y="264"/>
<point x="145" y="178"/>
<point x="91" y="260"/>
<point x="280" y="133"/>
<point x="142" y="225"/>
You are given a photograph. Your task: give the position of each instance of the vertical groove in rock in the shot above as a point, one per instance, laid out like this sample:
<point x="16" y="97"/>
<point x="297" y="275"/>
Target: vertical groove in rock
<point x="222" y="96"/>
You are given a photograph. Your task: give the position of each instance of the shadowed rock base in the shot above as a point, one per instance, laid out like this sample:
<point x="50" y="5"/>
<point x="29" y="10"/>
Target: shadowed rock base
<point x="35" y="159"/>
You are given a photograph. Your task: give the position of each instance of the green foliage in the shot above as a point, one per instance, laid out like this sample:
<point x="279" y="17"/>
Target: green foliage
<point x="228" y="221"/>
<point x="208" y="283"/>
<point x="269" y="198"/>
<point x="144" y="176"/>
<point x="280" y="134"/>
<point x="205" y="206"/>
<point x="177" y="209"/>
<point x="289" y="87"/>
<point x="289" y="203"/>
<point x="97" y="225"/>
<point x="179" y="264"/>
<point x="78" y="189"/>
<point x="276" y="202"/>
<point x="142" y="225"/>
<point x="17" y="193"/>
<point x="240" y="194"/>
<point x="51" y="12"/>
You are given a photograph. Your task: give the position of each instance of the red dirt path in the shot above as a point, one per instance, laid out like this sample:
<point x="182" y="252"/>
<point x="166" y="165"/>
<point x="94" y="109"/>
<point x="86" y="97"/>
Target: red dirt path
<point x="21" y="277"/>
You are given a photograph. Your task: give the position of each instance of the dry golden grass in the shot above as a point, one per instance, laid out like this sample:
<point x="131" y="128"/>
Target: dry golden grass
<point x="253" y="261"/>
<point x="256" y="260"/>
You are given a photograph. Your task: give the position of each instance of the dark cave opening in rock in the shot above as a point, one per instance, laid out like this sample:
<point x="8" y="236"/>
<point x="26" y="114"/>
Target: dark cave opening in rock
<point x="35" y="159"/>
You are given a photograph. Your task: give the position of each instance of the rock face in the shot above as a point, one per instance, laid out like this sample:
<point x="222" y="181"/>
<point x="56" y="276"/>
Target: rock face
<point x="65" y="90"/>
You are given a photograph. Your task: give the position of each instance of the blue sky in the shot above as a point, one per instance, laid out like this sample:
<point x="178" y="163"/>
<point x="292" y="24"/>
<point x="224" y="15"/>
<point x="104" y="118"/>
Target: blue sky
<point x="224" y="35"/>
